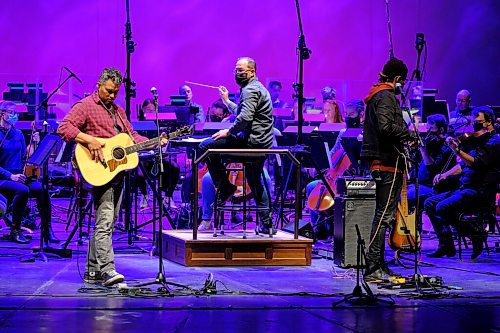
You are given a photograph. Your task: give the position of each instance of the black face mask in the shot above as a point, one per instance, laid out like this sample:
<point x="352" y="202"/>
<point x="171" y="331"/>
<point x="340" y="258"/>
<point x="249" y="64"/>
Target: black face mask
<point x="352" y="122"/>
<point x="215" y="119"/>
<point x="241" y="79"/>
<point x="477" y="126"/>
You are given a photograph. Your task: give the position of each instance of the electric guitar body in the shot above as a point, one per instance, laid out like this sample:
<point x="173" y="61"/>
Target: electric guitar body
<point x="404" y="235"/>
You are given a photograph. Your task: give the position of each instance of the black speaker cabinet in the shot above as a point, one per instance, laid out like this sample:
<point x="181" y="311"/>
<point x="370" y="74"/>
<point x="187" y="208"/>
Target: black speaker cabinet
<point x="349" y="212"/>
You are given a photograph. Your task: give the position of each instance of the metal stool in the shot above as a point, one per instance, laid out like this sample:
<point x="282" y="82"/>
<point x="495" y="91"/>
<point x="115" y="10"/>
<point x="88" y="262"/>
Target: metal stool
<point x="244" y="207"/>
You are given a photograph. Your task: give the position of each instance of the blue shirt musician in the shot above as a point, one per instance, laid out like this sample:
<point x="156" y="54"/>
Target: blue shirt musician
<point x="14" y="184"/>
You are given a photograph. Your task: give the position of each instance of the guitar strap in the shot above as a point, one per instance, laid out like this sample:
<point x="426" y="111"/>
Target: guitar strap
<point x="124" y="125"/>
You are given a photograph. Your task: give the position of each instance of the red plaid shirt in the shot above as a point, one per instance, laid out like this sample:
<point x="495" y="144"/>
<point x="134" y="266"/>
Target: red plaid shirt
<point x="91" y="117"/>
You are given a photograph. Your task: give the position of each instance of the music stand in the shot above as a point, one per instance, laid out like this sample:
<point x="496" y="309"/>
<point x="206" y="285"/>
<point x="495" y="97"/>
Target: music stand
<point x="41" y="158"/>
<point x="351" y="144"/>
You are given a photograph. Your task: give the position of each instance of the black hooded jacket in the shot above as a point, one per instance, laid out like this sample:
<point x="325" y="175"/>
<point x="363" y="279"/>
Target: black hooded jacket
<point x="384" y="129"/>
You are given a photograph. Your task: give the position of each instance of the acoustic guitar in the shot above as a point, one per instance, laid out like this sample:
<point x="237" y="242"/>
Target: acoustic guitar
<point x="120" y="154"/>
<point x="404" y="236"/>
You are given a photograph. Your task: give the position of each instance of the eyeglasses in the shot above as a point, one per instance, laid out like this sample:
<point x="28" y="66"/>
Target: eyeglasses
<point x="240" y="70"/>
<point x="9" y="112"/>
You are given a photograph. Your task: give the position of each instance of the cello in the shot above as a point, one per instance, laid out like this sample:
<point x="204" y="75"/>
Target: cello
<point x="320" y="199"/>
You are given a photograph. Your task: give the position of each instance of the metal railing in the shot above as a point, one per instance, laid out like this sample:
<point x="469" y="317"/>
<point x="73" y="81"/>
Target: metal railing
<point x="247" y="153"/>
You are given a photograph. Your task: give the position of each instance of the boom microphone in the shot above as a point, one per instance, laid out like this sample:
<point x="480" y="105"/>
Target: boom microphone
<point x="72" y="74"/>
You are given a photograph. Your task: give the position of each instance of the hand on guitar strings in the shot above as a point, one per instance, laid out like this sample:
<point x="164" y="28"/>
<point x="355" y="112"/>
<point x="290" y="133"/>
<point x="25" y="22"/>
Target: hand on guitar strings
<point x="164" y="139"/>
<point x="95" y="148"/>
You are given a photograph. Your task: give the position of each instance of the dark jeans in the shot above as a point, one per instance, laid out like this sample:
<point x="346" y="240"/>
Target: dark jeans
<point x="385" y="213"/>
<point x="443" y="209"/>
<point x="18" y="194"/>
<point x="253" y="170"/>
<point x="424" y="192"/>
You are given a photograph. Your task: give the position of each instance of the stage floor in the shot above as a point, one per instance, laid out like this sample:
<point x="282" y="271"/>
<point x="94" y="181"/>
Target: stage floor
<point x="51" y="297"/>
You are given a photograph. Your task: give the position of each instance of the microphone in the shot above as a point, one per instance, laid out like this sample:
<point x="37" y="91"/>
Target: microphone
<point x="154" y="92"/>
<point x="399" y="90"/>
<point x="72" y="74"/>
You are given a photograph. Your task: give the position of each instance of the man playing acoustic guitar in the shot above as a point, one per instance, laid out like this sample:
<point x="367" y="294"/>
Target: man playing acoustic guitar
<point x="97" y="116"/>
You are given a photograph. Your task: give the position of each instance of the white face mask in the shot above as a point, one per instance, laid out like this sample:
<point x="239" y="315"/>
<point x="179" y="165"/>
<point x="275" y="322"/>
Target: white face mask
<point x="11" y="118"/>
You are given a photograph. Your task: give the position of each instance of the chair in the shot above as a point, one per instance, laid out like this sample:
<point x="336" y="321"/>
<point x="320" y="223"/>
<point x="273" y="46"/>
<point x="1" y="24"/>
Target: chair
<point x="472" y="222"/>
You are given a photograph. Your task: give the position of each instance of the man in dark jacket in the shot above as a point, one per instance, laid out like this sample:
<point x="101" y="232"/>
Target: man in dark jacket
<point x="384" y="134"/>
<point x="252" y="128"/>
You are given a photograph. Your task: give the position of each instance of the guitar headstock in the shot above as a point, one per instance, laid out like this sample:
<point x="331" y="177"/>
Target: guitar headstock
<point x="180" y="132"/>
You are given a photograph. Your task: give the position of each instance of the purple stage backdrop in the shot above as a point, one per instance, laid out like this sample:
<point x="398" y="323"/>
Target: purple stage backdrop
<point x="200" y="40"/>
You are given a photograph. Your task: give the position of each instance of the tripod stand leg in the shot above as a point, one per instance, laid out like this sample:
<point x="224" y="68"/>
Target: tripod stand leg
<point x="78" y="225"/>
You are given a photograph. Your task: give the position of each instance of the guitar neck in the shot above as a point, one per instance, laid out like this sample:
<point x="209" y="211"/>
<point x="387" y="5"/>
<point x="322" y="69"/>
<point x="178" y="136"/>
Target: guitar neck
<point x="141" y="146"/>
<point x="404" y="196"/>
<point x="186" y="130"/>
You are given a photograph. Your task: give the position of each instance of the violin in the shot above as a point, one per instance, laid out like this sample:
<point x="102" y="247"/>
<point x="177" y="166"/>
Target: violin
<point x="29" y="170"/>
<point x="467" y="136"/>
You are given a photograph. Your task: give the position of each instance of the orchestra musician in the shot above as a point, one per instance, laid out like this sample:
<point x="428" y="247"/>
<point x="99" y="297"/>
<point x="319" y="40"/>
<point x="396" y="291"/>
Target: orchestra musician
<point x="332" y="113"/>
<point x="14" y="184"/>
<point x="252" y="128"/>
<point x="384" y="133"/>
<point x="195" y="109"/>
<point x="463" y="109"/>
<point x="479" y="172"/>
<point x="436" y="158"/>
<point x="97" y="116"/>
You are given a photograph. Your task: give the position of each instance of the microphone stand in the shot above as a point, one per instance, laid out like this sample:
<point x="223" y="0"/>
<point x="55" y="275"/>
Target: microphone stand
<point x="304" y="54"/>
<point x="358" y="297"/>
<point x="418" y="140"/>
<point x="45" y="103"/>
<point x="300" y="149"/>
<point x="160" y="277"/>
<point x="417" y="73"/>
<point x="129" y="94"/>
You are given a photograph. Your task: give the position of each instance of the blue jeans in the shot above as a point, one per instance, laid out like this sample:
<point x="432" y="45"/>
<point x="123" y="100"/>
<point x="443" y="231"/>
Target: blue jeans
<point x="253" y="171"/>
<point x="383" y="217"/>
<point x="208" y="193"/>
<point x="443" y="209"/>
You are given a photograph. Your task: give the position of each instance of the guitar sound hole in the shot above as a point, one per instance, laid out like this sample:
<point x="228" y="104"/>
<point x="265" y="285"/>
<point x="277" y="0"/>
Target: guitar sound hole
<point x="118" y="153"/>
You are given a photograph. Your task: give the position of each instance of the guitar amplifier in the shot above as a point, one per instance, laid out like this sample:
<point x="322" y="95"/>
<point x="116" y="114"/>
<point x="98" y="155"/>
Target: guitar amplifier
<point x="356" y="187"/>
<point x="349" y="212"/>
